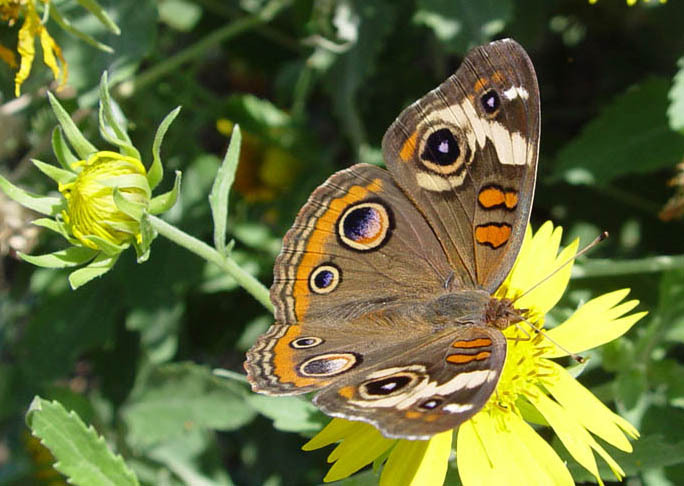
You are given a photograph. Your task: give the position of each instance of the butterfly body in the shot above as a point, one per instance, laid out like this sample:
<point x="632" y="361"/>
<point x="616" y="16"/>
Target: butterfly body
<point x="383" y="291"/>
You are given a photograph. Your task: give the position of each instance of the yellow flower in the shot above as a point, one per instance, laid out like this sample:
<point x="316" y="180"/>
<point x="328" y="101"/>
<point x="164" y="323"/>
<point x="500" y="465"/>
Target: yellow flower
<point x="32" y="28"/>
<point x="498" y="445"/>
<point x="91" y="214"/>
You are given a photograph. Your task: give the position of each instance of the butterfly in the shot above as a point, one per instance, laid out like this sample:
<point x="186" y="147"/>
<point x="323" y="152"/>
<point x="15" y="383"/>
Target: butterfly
<point x="384" y="288"/>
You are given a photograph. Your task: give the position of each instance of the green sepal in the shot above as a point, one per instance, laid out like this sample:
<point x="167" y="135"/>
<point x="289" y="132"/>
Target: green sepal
<point x="156" y="172"/>
<point x="57" y="226"/>
<point x="110" y="127"/>
<point x="94" y="8"/>
<point x="164" y="202"/>
<point x="147" y="234"/>
<point x="81" y="454"/>
<point x="128" y="181"/>
<point x="80" y="144"/>
<point x="218" y="198"/>
<point x="50" y="206"/>
<point x="130" y="208"/>
<point x="55" y="173"/>
<point x="70" y="257"/>
<point x="64" y="155"/>
<point x="98" y="267"/>
<point x="68" y="27"/>
<point x="107" y="247"/>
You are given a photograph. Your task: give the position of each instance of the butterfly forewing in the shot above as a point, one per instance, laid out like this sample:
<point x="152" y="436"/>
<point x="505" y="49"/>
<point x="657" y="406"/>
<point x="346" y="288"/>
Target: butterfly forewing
<point x="466" y="154"/>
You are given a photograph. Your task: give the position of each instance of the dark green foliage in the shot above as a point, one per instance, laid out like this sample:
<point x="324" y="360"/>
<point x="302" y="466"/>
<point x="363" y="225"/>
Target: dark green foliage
<point x="313" y="90"/>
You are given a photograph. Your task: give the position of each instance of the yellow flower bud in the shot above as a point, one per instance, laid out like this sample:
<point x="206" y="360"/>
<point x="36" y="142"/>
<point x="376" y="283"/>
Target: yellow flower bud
<point x="91" y="210"/>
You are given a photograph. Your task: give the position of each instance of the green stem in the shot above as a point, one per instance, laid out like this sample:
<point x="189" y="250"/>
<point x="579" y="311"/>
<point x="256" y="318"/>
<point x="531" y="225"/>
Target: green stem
<point x="160" y="70"/>
<point x="200" y="248"/>
<point x="605" y="268"/>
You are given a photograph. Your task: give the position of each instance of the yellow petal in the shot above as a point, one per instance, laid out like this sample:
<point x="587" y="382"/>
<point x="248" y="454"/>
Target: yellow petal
<point x="510" y="453"/>
<point x="589" y="410"/>
<point x="571" y="434"/>
<point x="336" y="430"/>
<point x="26" y="46"/>
<point x="7" y="55"/>
<point x="355" y="451"/>
<point x="595" y="323"/>
<point x="418" y="462"/>
<point x="50" y="50"/>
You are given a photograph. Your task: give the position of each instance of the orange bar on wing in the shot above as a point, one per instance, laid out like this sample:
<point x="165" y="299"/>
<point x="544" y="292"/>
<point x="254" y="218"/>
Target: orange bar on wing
<point x="473" y="343"/>
<point x="467" y="358"/>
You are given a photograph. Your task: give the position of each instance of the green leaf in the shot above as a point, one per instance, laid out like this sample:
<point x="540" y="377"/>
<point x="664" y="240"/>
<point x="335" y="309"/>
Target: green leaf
<point x="158" y="327"/>
<point x="156" y="172"/>
<point x="180" y="14"/>
<point x="68" y="27"/>
<point x="80" y="144"/>
<point x="630" y="136"/>
<point x="50" y="206"/>
<point x="289" y="414"/>
<point x="94" y="8"/>
<point x="166" y="201"/>
<point x="61" y="149"/>
<point x="675" y="111"/>
<point x="82" y="455"/>
<point x="55" y="173"/>
<point x="462" y="24"/>
<point x="70" y="257"/>
<point x="98" y="267"/>
<point x="181" y="397"/>
<point x="353" y="67"/>
<point x="218" y="198"/>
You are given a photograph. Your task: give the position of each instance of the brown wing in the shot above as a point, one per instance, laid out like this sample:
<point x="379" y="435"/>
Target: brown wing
<point x="358" y="244"/>
<point x="466" y="153"/>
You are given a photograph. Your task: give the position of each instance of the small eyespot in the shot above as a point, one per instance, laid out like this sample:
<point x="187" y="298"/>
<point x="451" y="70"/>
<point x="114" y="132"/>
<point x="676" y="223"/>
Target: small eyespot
<point x="431" y="403"/>
<point x="490" y="102"/>
<point x="324" y="278"/>
<point x="329" y="364"/>
<point x="306" y="342"/>
<point x="441" y="148"/>
<point x="365" y="226"/>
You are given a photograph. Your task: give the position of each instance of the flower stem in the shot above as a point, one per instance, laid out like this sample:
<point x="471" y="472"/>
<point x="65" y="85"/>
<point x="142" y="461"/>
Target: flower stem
<point x="226" y="263"/>
<point x="605" y="268"/>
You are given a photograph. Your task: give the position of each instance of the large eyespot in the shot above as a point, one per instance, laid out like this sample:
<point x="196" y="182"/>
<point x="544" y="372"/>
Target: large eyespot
<point x="365" y="226"/>
<point x="490" y="102"/>
<point x="444" y="151"/>
<point x="441" y="148"/>
<point x="306" y="342"/>
<point x="329" y="364"/>
<point x="324" y="278"/>
<point x="383" y="387"/>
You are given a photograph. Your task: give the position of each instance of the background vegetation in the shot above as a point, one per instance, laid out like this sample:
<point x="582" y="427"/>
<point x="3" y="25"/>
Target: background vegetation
<point x="314" y="85"/>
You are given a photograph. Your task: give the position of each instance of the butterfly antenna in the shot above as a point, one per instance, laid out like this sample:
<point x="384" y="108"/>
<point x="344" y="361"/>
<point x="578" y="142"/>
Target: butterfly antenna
<point x="597" y="240"/>
<point x="575" y="356"/>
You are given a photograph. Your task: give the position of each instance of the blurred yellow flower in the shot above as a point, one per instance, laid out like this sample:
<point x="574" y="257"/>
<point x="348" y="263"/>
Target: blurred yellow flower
<point x="31" y="29"/>
<point x="498" y="445"/>
<point x="91" y="214"/>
